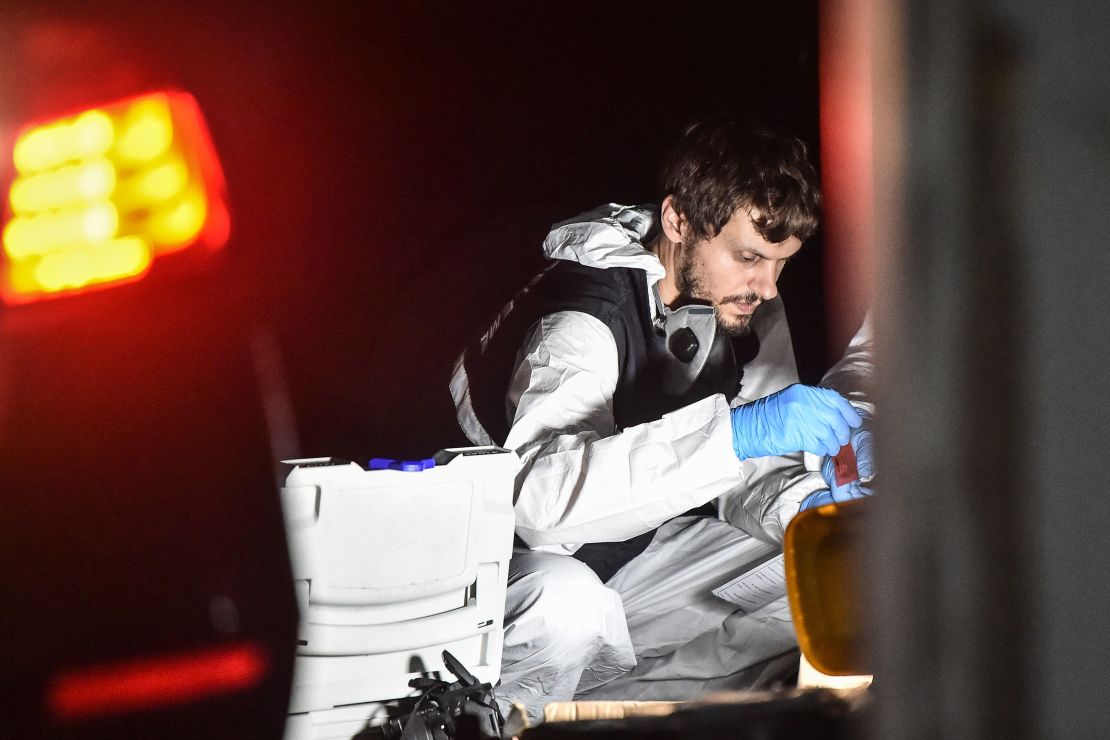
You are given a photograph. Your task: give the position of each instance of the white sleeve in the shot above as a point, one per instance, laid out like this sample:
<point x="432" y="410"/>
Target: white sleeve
<point x="852" y="375"/>
<point x="768" y="495"/>
<point x="582" y="479"/>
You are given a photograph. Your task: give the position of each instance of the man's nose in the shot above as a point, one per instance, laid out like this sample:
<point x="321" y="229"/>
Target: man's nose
<point x="765" y="281"/>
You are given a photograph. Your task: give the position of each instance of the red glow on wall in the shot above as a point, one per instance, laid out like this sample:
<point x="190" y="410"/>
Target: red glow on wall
<point x="150" y="683"/>
<point x="846" y="161"/>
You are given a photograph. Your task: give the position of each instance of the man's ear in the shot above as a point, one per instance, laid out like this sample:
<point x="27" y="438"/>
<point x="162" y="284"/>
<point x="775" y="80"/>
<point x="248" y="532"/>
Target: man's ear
<point x="674" y="223"/>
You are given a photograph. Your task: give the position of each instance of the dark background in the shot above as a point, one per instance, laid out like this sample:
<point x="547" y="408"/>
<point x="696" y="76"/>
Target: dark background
<point x="393" y="168"/>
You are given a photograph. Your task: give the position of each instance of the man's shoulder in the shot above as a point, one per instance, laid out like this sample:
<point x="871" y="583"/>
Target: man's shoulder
<point x="609" y="286"/>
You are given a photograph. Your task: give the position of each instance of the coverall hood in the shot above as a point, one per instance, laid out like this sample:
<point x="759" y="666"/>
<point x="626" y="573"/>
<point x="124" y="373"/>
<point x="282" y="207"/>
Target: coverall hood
<point x="608" y="236"/>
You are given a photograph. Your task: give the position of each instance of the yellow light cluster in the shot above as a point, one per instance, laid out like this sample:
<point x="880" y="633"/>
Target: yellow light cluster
<point x="99" y="195"/>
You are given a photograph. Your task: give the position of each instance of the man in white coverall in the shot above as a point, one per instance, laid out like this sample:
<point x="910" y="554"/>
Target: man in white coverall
<point x="643" y="489"/>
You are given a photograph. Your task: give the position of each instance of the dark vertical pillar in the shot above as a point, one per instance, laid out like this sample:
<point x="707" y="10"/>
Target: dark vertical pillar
<point x="990" y="567"/>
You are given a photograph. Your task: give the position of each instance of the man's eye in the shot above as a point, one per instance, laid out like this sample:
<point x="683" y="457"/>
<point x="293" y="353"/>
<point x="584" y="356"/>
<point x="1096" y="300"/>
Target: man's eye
<point x="747" y="259"/>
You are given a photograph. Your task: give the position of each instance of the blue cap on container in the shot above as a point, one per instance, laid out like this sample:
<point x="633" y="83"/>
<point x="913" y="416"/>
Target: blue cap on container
<point x="408" y="466"/>
<point x="381" y="463"/>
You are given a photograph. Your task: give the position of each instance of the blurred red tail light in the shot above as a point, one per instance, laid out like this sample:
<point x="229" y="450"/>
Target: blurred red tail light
<point x="156" y="681"/>
<point x="98" y="195"/>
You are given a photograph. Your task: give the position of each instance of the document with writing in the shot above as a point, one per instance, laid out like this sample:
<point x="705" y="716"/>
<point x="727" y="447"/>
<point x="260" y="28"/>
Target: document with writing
<point x="757" y="587"/>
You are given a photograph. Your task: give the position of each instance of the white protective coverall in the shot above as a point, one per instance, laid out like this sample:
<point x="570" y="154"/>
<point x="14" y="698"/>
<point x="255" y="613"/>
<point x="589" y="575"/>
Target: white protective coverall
<point x="654" y="630"/>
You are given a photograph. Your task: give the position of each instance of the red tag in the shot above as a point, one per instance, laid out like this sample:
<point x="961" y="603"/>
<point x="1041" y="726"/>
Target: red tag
<point x="844" y="465"/>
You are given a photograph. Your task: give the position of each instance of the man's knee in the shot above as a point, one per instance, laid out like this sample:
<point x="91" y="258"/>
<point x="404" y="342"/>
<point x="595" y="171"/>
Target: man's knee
<point x="558" y="603"/>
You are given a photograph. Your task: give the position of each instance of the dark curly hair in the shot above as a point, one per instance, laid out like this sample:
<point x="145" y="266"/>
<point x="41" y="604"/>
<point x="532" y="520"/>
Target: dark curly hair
<point x="719" y="166"/>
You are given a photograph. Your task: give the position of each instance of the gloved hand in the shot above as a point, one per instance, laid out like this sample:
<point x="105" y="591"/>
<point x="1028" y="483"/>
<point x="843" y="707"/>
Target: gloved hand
<point x="863" y="447"/>
<point x="799" y="418"/>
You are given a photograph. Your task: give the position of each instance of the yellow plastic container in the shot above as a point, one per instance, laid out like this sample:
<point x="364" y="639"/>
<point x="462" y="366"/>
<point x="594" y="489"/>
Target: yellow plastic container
<point x="824" y="559"/>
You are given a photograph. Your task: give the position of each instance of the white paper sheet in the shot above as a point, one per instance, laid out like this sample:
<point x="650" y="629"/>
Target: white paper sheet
<point x="757" y="587"/>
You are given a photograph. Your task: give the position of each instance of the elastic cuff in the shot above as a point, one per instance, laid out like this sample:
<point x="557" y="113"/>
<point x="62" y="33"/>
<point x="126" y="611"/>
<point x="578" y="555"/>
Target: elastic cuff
<point x="817" y="498"/>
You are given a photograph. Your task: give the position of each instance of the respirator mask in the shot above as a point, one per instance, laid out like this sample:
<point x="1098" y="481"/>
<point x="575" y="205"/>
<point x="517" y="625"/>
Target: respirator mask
<point x="699" y="356"/>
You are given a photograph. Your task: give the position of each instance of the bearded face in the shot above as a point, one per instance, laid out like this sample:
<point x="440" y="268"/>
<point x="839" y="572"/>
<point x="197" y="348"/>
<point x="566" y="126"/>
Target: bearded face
<point x="693" y="283"/>
<point x="733" y="272"/>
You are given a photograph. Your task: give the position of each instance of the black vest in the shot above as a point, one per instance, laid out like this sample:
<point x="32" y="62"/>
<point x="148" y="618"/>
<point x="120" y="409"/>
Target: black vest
<point x="619" y="298"/>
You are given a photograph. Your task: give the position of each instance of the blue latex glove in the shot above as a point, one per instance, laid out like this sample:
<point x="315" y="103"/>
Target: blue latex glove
<point x="796" y="419"/>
